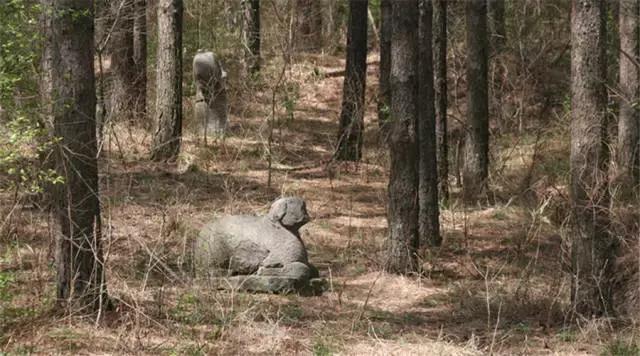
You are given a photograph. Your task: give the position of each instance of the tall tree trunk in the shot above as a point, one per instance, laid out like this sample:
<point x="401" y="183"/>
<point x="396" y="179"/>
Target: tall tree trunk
<point x="384" y="95"/>
<point x="309" y="20"/>
<point x="628" y="150"/>
<point x="403" y="145"/>
<point x="593" y="248"/>
<point x="69" y="45"/>
<point x="440" y="75"/>
<point x="498" y="27"/>
<point x="476" y="162"/>
<point x="168" y="134"/>
<point x="253" y="35"/>
<point x="352" y="114"/>
<point x="140" y="60"/>
<point x="428" y="218"/>
<point x="122" y="92"/>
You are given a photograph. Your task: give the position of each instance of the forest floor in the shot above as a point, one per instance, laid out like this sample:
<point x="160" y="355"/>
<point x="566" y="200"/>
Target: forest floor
<point x="495" y="286"/>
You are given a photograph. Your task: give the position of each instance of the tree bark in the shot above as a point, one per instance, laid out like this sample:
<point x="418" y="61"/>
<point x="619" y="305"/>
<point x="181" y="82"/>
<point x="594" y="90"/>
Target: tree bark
<point x="592" y="247"/>
<point x="122" y="93"/>
<point x="140" y="60"/>
<point x="440" y="75"/>
<point x="384" y="99"/>
<point x="79" y="262"/>
<point x="429" y="215"/>
<point x="168" y="134"/>
<point x="352" y="114"/>
<point x="498" y="26"/>
<point x="403" y="145"/>
<point x="475" y="170"/>
<point x="253" y="35"/>
<point x="628" y="145"/>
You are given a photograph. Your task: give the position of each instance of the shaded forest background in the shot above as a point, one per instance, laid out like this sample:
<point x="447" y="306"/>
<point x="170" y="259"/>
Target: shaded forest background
<point x="499" y="283"/>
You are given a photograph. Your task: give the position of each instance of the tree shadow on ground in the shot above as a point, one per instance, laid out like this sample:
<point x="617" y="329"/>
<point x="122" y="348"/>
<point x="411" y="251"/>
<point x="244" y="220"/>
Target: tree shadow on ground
<point x="156" y="186"/>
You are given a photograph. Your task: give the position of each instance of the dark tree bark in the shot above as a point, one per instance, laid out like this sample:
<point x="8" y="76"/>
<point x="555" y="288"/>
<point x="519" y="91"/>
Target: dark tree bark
<point x="140" y="60"/>
<point x="498" y="26"/>
<point x="253" y="35"/>
<point x="476" y="162"/>
<point x="628" y="146"/>
<point x="168" y="134"/>
<point x="440" y="75"/>
<point x="352" y="114"/>
<point x="309" y="20"/>
<point x="69" y="47"/>
<point x="122" y="93"/>
<point x="429" y="215"/>
<point x="403" y="145"/>
<point x="592" y="247"/>
<point x="384" y="94"/>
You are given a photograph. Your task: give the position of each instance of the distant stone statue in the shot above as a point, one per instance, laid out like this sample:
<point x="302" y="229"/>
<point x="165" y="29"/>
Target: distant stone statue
<point x="211" y="93"/>
<point x="258" y="253"/>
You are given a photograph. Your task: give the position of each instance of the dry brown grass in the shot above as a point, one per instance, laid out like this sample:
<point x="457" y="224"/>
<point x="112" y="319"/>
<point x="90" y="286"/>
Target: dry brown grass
<point x="496" y="285"/>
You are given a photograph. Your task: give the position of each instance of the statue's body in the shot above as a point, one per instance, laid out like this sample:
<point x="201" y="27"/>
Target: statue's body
<point x="259" y="253"/>
<point x="211" y="94"/>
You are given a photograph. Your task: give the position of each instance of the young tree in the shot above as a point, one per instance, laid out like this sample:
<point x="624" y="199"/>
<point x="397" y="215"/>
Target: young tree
<point x="352" y="114"/>
<point x="440" y="76"/>
<point x="476" y="162"/>
<point x="592" y="247"/>
<point x="140" y="59"/>
<point x="69" y="46"/>
<point x="428" y="218"/>
<point x="403" y="207"/>
<point x="122" y="91"/>
<point x="628" y="148"/>
<point x="384" y="90"/>
<point x="252" y="10"/>
<point x="166" y="140"/>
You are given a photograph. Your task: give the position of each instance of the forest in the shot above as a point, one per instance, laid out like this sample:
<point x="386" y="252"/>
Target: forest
<point x="320" y="177"/>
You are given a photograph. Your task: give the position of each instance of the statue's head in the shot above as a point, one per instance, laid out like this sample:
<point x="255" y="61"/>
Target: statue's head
<point x="290" y="212"/>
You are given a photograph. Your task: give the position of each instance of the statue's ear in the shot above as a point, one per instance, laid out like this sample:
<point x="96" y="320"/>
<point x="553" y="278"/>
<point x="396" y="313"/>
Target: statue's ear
<point x="278" y="211"/>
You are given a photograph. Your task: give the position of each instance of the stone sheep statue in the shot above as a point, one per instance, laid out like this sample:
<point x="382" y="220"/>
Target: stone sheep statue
<point x="258" y="253"/>
<point x="211" y="93"/>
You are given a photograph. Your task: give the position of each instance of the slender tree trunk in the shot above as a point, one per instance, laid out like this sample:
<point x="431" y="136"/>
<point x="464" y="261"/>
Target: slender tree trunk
<point x="50" y="56"/>
<point x="440" y="75"/>
<point x="593" y="248"/>
<point x="403" y="145"/>
<point x="79" y="261"/>
<point x="168" y="134"/>
<point x="253" y="35"/>
<point x="475" y="170"/>
<point x="122" y="92"/>
<point x="429" y="215"/>
<point x="352" y="114"/>
<point x="140" y="60"/>
<point x="628" y="150"/>
<point x="384" y="99"/>
<point x="498" y="26"/>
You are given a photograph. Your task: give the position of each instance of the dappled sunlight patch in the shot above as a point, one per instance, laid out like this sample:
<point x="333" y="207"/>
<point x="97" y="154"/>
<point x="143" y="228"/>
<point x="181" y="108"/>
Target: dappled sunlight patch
<point x="388" y="292"/>
<point x="379" y="347"/>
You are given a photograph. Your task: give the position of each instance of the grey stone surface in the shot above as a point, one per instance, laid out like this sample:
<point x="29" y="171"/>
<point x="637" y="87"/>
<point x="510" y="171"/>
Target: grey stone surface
<point x="211" y="93"/>
<point x="258" y="253"/>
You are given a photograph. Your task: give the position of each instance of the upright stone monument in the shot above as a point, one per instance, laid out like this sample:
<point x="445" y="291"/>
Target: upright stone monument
<point x="211" y="93"/>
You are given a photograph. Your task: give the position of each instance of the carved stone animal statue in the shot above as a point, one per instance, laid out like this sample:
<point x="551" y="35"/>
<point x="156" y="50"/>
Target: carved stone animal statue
<point x="211" y="93"/>
<point x="258" y="253"/>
